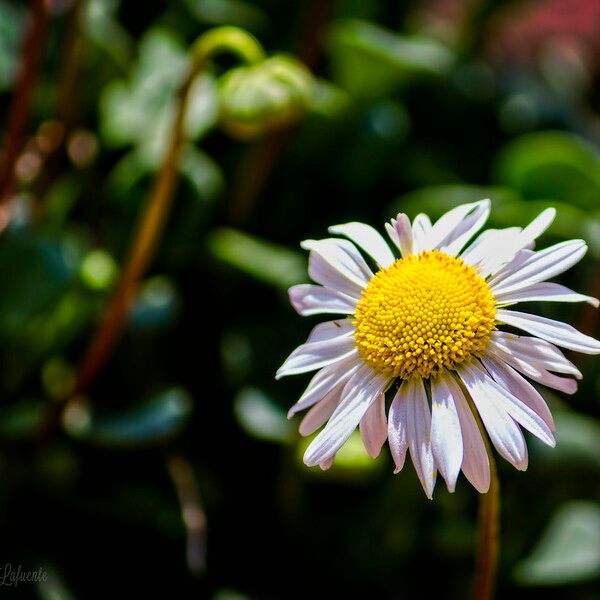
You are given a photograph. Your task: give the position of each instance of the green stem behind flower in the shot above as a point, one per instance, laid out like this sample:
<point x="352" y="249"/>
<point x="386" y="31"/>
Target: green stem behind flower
<point x="154" y="215"/>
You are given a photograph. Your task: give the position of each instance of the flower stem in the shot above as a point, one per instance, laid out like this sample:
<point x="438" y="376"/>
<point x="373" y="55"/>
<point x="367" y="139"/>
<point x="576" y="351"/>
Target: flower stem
<point x="488" y="535"/>
<point x="488" y="526"/>
<point x="154" y="215"/>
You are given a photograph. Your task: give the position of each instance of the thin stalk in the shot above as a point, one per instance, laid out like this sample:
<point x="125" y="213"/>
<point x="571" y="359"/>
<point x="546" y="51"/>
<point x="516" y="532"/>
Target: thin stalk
<point x="154" y="215"/>
<point x="21" y="99"/>
<point x="488" y="526"/>
<point x="488" y="537"/>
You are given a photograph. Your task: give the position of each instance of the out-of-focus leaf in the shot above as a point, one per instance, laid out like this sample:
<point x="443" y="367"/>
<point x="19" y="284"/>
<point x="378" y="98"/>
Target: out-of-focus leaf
<point x="552" y="165"/>
<point x="202" y="172"/>
<point x="273" y="264"/>
<point x="328" y="99"/>
<point x="577" y="440"/>
<point x="37" y="272"/>
<point x="370" y="61"/>
<point x="260" y="417"/>
<point x="105" y="31"/>
<point x="11" y="23"/>
<point x="23" y="420"/>
<point x="155" y="305"/>
<point x="229" y="12"/>
<point x="569" y="550"/>
<point x="158" y="420"/>
<point x="140" y="111"/>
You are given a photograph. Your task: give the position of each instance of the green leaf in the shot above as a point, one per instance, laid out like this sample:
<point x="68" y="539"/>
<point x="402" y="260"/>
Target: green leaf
<point x="370" y="61"/>
<point x="551" y="165"/>
<point x="577" y="440"/>
<point x="140" y="111"/>
<point x="39" y="271"/>
<point x="202" y="172"/>
<point x="569" y="550"/>
<point x="268" y="262"/>
<point x="260" y="417"/>
<point x="160" y="419"/>
<point x="104" y="30"/>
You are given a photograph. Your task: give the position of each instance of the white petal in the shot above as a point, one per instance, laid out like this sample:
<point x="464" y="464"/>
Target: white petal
<point x="519" y="387"/>
<point x="466" y="228"/>
<point x="418" y="420"/>
<point x="324" y="381"/>
<point x="397" y="428"/>
<point x="328" y="343"/>
<point x="540" y="266"/>
<point x="367" y="238"/>
<point x="421" y="230"/>
<point x="476" y="463"/>
<point x="521" y="412"/>
<point x="321" y="411"/>
<point x="517" y="261"/>
<point x="448" y="222"/>
<point x="550" y="330"/>
<point x="503" y="431"/>
<point x="359" y="393"/>
<point x="489" y="249"/>
<point x="535" y="351"/>
<point x="337" y="264"/>
<point x="532" y="231"/>
<point x="400" y="232"/>
<point x="544" y="291"/>
<point x="514" y="242"/>
<point x="446" y="437"/>
<point x="373" y="427"/>
<point x="533" y="371"/>
<point x="310" y="299"/>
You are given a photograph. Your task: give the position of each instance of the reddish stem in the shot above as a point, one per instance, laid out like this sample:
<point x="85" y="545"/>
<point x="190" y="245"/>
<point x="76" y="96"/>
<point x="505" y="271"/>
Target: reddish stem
<point x="21" y="100"/>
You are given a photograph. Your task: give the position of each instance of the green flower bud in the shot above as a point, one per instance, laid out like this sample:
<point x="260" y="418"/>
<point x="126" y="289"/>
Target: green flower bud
<point x="263" y="97"/>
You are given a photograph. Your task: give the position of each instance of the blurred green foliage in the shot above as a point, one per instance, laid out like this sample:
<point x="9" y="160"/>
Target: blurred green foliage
<point x="388" y="107"/>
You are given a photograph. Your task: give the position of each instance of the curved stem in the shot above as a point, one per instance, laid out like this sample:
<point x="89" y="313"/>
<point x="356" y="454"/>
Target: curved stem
<point x="156" y="209"/>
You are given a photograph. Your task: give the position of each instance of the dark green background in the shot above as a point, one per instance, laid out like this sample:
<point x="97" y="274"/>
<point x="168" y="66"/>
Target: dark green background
<point x="418" y="106"/>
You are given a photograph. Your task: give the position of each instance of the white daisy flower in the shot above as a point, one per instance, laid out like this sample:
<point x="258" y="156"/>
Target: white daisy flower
<point x="426" y="326"/>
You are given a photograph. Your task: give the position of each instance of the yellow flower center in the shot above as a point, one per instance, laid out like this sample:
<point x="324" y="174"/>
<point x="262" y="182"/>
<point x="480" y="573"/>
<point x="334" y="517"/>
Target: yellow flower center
<point x="423" y="313"/>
